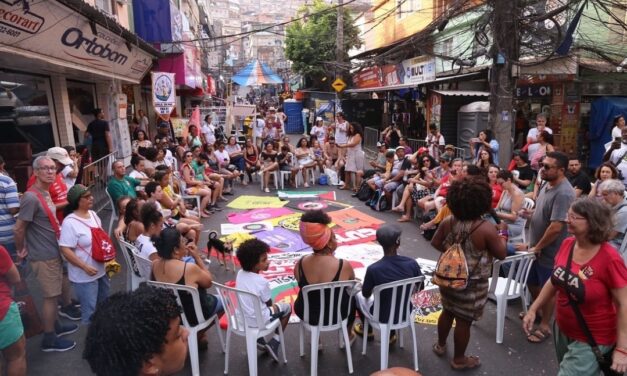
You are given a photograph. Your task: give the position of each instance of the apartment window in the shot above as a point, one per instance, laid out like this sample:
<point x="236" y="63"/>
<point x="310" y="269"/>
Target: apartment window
<point x="447" y="47"/>
<point x="407" y="7"/>
<point x="105" y="6"/>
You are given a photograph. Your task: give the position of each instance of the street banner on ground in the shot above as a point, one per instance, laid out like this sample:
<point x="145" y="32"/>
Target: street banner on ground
<point x="163" y="94"/>
<point x="290" y="221"/>
<point x="428" y="302"/>
<point x="230" y="228"/>
<point x="289" y="195"/>
<point x="356" y="236"/>
<point x="237" y="238"/>
<point x="283" y="240"/>
<point x="256" y="202"/>
<point x="257" y="215"/>
<point x="316" y="204"/>
<point x="351" y="219"/>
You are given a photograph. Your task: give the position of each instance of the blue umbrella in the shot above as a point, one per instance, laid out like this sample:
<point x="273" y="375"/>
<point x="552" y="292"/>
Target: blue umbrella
<point x="255" y="74"/>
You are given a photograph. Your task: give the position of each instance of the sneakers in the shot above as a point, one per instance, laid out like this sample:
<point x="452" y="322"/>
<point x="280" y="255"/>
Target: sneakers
<point x="273" y="349"/>
<point x="70" y="312"/>
<point x="393" y="337"/>
<point x="57" y="344"/>
<point x="358" y="328"/>
<point x="267" y="190"/>
<point x="64" y="329"/>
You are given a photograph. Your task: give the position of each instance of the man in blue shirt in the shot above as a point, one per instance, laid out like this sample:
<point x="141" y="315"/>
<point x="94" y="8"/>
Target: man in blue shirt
<point x="392" y="267"/>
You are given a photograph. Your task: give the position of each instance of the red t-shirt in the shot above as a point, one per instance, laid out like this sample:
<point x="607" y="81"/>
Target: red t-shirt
<point x="604" y="272"/>
<point x="444" y="184"/>
<point x="497" y="191"/>
<point x="57" y="190"/>
<point x="5" y="287"/>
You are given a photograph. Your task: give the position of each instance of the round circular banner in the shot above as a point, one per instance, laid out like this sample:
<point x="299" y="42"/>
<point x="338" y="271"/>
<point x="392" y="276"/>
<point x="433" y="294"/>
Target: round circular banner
<point x="255" y="227"/>
<point x="312" y="205"/>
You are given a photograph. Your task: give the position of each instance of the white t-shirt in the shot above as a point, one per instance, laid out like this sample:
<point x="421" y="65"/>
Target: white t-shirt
<point x="341" y="137"/>
<point x="533" y="148"/>
<point x="253" y="282"/>
<point x="143" y="124"/>
<point x="319" y="132"/>
<point x="76" y="234"/>
<point x="69" y="182"/>
<point x="258" y="125"/>
<point x="621" y="165"/>
<point x="138" y="175"/>
<point x="146" y="248"/>
<point x="616" y="132"/>
<point x="209" y="131"/>
<point x="223" y="157"/>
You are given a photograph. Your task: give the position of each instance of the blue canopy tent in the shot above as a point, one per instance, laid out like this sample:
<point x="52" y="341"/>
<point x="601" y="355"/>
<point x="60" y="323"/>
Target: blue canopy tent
<point x="255" y="74"/>
<point x="601" y="121"/>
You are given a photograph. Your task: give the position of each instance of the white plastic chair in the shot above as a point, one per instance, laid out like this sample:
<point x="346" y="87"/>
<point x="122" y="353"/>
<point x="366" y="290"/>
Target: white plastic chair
<point x="144" y="265"/>
<point x="284" y="175"/>
<point x="114" y="212"/>
<point x="232" y="299"/>
<point x="511" y="287"/>
<point x="400" y="315"/>
<point x="276" y="180"/>
<point x="133" y="277"/>
<point x="332" y="316"/>
<point x="184" y="196"/>
<point x="192" y="338"/>
<point x="310" y="175"/>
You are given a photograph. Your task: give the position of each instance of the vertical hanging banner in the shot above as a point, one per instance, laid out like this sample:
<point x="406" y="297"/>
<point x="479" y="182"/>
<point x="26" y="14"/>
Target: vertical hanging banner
<point x="163" y="94"/>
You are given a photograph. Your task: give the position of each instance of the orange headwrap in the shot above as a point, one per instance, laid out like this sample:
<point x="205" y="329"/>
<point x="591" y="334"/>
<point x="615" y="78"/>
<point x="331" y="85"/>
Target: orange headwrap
<point x="315" y="235"/>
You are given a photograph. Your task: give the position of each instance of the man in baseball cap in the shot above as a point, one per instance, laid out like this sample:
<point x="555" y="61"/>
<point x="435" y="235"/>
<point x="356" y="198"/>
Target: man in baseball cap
<point x="391" y="268"/>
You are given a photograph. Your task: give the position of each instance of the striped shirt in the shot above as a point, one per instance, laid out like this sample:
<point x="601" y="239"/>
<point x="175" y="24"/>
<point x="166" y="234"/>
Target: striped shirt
<point x="8" y="200"/>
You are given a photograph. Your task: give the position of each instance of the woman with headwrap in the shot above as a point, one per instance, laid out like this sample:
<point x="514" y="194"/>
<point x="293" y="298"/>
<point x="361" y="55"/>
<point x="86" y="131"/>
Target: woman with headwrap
<point x="321" y="266"/>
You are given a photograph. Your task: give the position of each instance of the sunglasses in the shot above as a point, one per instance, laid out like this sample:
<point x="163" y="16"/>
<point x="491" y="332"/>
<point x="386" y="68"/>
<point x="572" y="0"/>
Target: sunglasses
<point x="426" y="160"/>
<point x="546" y="166"/>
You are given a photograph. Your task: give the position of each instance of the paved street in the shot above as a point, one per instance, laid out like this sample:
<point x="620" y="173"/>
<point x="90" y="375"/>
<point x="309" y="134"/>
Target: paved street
<point x="515" y="356"/>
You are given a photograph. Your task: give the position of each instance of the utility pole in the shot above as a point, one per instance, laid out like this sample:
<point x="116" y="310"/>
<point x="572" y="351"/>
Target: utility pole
<point x="339" y="48"/>
<point x="505" y="49"/>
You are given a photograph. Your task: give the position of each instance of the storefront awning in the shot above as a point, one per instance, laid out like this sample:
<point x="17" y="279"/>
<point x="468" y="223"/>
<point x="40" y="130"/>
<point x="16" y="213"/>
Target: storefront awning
<point x="462" y="93"/>
<point x="406" y="86"/>
<point x="55" y="33"/>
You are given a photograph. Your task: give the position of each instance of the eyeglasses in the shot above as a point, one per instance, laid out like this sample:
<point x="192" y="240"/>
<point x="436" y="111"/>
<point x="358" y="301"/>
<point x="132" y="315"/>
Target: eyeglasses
<point x="573" y="217"/>
<point x="546" y="166"/>
<point x="47" y="169"/>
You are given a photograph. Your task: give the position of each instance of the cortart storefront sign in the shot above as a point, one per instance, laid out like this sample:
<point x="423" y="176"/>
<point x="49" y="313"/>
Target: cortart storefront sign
<point x="50" y="31"/>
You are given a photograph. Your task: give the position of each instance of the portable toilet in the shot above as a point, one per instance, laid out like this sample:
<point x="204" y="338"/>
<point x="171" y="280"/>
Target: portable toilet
<point x="471" y="118"/>
<point x="293" y="110"/>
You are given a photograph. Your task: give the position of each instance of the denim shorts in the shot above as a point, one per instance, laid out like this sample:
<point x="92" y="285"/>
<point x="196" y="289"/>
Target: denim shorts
<point x="538" y="274"/>
<point x="11" y="328"/>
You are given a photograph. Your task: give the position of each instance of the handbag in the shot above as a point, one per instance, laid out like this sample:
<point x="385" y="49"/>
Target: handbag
<point x="604" y="360"/>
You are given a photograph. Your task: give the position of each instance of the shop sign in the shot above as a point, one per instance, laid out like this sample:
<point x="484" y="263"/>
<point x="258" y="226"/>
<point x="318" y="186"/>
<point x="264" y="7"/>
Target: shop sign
<point x="60" y="36"/>
<point x="533" y="91"/>
<point x="392" y="74"/>
<point x="369" y="77"/>
<point x="418" y="70"/>
<point x="163" y="94"/>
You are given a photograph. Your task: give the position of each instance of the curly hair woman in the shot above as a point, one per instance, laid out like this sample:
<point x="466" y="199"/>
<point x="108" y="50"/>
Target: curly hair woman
<point x="468" y="200"/>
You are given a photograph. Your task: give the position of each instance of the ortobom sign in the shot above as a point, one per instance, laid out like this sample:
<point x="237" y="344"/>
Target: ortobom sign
<point x="57" y="34"/>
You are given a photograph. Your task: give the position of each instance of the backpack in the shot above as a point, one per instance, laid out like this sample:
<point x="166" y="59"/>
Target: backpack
<point x="379" y="201"/>
<point x="365" y="192"/>
<point x="323" y="180"/>
<point x="451" y="270"/>
<point x="102" y="249"/>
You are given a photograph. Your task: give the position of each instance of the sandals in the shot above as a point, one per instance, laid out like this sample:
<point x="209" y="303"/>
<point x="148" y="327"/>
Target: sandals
<point x="470" y="363"/>
<point x="404" y="218"/>
<point x="540" y="336"/>
<point x="438" y="350"/>
<point x="358" y="328"/>
<point x="398" y="209"/>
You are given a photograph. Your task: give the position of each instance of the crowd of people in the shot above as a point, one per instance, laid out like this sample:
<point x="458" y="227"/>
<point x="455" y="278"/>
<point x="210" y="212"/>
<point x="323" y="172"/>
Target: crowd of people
<point x="52" y="230"/>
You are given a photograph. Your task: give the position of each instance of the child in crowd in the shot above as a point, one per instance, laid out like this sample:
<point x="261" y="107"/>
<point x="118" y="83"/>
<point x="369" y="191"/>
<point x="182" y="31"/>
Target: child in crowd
<point x="253" y="258"/>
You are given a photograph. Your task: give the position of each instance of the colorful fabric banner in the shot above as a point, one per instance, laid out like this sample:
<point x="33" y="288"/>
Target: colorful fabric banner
<point x="283" y="240"/>
<point x="289" y="195"/>
<point x="257" y="215"/>
<point x="356" y="236"/>
<point x="351" y="219"/>
<point x="316" y="204"/>
<point x="256" y="202"/>
<point x="230" y="228"/>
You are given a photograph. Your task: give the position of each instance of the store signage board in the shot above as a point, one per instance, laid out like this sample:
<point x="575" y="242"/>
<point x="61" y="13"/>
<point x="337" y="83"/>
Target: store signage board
<point x="418" y="70"/>
<point x="533" y="91"/>
<point x="163" y="94"/>
<point x="338" y="84"/>
<point x="52" y="32"/>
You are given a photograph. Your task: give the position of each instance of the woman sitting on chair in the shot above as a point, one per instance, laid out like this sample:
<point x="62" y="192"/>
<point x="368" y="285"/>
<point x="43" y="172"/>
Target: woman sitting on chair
<point x="507" y="209"/>
<point x="170" y="268"/>
<point x="196" y="187"/>
<point x="321" y="266"/>
<point x="266" y="164"/>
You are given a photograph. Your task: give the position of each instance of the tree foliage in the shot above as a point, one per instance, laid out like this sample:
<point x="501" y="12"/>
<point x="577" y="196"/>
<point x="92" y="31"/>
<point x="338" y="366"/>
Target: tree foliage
<point x="310" y="43"/>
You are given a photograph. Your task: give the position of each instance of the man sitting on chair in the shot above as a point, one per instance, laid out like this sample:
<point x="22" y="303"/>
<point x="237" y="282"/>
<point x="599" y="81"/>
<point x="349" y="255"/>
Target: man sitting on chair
<point x="392" y="267"/>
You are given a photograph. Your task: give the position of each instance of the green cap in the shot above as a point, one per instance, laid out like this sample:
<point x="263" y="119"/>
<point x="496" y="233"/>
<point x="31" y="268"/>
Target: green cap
<point x="75" y="193"/>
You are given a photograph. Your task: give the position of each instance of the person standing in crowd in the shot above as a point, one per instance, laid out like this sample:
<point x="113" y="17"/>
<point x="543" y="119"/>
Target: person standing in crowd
<point x="547" y="230"/>
<point x="341" y="134"/>
<point x="142" y="121"/>
<point x="391" y="267"/>
<point x="468" y="200"/>
<point x="318" y="131"/>
<point x="617" y="154"/>
<point x="36" y="234"/>
<point x="589" y="274"/>
<point x="618" y="125"/>
<point x="207" y="131"/>
<point x="58" y="189"/>
<point x="354" y="157"/>
<point x="435" y="142"/>
<point x="9" y="206"/>
<point x="70" y="172"/>
<point x="577" y="178"/>
<point x="484" y="141"/>
<point x="532" y="135"/>
<point x="88" y="277"/>
<point x="137" y="333"/>
<point x="524" y="175"/>
<point x="12" y="340"/>
<point x="253" y="257"/>
<point x="100" y="134"/>
<point x="613" y="193"/>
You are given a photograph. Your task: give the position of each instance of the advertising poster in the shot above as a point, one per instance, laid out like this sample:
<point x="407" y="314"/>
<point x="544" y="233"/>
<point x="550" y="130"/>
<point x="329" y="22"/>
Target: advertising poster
<point x="163" y="94"/>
